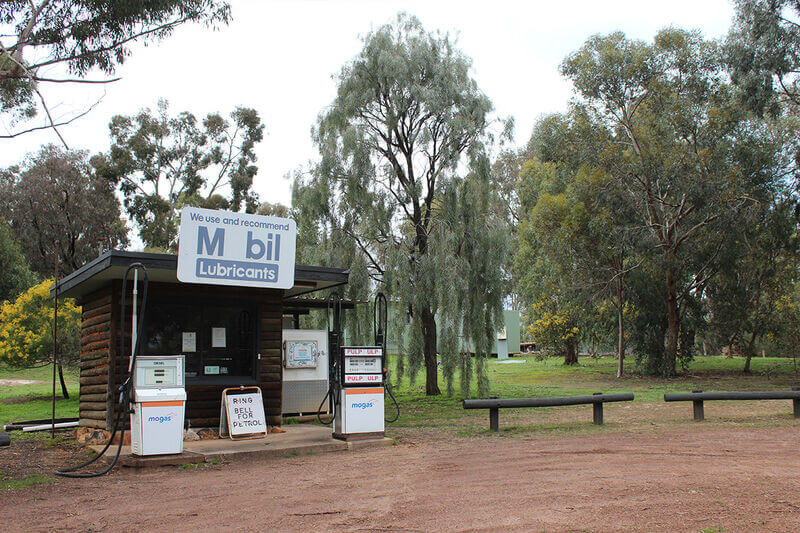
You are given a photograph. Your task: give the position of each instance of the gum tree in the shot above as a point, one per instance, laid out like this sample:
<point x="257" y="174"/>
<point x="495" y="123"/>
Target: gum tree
<point x="673" y="116"/>
<point x="162" y="163"/>
<point x="50" y="42"/>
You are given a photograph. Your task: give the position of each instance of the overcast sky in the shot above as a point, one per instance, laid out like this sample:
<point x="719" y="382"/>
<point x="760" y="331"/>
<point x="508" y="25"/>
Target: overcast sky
<point x="280" y="57"/>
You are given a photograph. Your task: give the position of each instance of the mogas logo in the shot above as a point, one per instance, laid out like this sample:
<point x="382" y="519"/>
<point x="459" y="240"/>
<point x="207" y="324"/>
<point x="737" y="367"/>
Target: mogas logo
<point x="161" y="419"/>
<point x="362" y="405"/>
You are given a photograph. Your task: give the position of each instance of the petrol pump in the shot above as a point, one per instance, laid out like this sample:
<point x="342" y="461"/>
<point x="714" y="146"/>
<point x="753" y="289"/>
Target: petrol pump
<point x="360" y="412"/>
<point x="157" y="409"/>
<point x="357" y="377"/>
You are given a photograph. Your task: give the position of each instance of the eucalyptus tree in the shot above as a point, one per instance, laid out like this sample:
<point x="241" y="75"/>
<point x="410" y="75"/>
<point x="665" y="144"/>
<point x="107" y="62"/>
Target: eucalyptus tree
<point x="163" y="162"/>
<point x="668" y="108"/>
<point x="56" y="205"/>
<point x="763" y="51"/>
<point x="408" y="123"/>
<point x="50" y="42"/>
<point x="579" y="238"/>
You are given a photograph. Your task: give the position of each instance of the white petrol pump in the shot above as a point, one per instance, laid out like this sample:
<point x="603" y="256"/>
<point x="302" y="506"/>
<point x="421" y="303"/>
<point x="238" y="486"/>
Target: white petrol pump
<point x="360" y="410"/>
<point x="159" y="400"/>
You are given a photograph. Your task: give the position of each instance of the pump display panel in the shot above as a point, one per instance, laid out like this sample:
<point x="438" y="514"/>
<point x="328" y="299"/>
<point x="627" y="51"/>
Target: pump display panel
<point x="362" y="365"/>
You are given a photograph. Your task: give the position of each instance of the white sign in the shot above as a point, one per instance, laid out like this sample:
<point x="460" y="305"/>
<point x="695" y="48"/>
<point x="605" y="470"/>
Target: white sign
<point x="218" y="337"/>
<point x="189" y="343"/>
<point x="363" y="350"/>
<point x="226" y="248"/>
<point x="245" y="414"/>
<point x="363" y="410"/>
<point x="366" y="379"/>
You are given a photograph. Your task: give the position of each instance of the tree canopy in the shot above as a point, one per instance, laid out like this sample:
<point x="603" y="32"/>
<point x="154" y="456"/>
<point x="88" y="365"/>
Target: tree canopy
<point x="164" y="162"/>
<point x="56" y="41"/>
<point x="404" y="177"/>
<point x="56" y="204"/>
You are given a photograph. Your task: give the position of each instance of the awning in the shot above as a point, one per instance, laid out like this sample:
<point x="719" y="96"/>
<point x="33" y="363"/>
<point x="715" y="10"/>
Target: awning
<point x="163" y="268"/>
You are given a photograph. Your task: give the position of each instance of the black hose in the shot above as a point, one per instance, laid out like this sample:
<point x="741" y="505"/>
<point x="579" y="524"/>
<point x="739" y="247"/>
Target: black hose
<point x="124" y="388"/>
<point x="396" y="405"/>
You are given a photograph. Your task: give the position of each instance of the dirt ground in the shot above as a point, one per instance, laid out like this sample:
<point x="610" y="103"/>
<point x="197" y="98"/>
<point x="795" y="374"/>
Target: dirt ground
<point x="694" y="477"/>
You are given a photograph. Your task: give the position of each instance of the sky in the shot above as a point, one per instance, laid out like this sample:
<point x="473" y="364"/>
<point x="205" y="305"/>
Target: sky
<point x="282" y="57"/>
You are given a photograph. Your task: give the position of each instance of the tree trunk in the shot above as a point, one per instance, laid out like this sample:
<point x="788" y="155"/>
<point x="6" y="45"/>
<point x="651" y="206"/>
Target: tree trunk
<point x="749" y="352"/>
<point x="64" y="391"/>
<point x="673" y="326"/>
<point x="620" y="330"/>
<point x="571" y="353"/>
<point x="429" y="344"/>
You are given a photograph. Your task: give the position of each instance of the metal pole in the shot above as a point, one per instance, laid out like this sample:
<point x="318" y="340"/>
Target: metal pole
<point x="134" y="317"/>
<point x="55" y="338"/>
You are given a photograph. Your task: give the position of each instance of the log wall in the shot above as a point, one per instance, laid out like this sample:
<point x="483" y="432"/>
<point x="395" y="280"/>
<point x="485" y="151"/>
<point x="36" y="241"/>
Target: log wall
<point x="103" y="369"/>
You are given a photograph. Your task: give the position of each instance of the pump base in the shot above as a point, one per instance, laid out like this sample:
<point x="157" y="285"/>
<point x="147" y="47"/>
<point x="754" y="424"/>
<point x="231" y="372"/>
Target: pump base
<point x="358" y="436"/>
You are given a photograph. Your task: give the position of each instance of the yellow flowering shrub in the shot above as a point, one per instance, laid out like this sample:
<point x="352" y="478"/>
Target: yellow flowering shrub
<point x="553" y="328"/>
<point x="26" y="328"/>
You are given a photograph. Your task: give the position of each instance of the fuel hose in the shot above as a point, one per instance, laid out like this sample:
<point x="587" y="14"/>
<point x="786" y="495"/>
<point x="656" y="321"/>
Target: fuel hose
<point x="124" y="389"/>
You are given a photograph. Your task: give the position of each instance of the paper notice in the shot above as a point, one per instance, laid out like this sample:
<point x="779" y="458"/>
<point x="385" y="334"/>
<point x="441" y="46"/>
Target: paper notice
<point x="189" y="341"/>
<point x="218" y="337"/>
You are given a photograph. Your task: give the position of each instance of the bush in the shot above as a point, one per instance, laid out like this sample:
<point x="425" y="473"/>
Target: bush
<point x="26" y="328"/>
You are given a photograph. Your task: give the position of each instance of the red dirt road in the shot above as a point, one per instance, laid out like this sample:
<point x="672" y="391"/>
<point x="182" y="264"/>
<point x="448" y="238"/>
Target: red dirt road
<point x="693" y="479"/>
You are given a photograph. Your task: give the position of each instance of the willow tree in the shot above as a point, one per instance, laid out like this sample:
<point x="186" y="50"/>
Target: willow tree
<point x="407" y="126"/>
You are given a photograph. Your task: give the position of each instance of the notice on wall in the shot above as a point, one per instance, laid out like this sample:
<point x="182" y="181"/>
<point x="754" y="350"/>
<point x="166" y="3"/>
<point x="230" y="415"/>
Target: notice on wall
<point x="189" y="341"/>
<point x="218" y="337"/>
<point x="242" y="414"/>
<point x="300" y="354"/>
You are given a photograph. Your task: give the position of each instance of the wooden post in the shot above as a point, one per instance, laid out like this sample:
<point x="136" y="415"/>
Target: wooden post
<point x="796" y="404"/>
<point x="697" y="405"/>
<point x="597" y="411"/>
<point x="494" y="419"/>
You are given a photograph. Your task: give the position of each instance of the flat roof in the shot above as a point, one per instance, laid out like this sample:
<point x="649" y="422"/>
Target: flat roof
<point x="164" y="268"/>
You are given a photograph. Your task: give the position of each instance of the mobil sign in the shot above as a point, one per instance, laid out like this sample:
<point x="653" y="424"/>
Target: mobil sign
<point x="225" y="248"/>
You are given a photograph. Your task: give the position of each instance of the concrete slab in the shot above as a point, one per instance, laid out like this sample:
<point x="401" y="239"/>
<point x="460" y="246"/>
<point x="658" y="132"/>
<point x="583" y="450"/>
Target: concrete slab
<point x="300" y="439"/>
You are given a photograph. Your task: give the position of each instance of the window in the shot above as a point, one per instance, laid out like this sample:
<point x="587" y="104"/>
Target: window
<point x="218" y="339"/>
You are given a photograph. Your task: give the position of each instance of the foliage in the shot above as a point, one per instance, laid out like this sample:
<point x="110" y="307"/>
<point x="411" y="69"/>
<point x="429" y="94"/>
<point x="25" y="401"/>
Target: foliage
<point x="47" y="39"/>
<point x="678" y="152"/>
<point x="407" y="124"/>
<point x="554" y="328"/>
<point x="763" y="52"/>
<point x="55" y="201"/>
<point x="26" y="328"/>
<point x="163" y="163"/>
<point x="17" y="276"/>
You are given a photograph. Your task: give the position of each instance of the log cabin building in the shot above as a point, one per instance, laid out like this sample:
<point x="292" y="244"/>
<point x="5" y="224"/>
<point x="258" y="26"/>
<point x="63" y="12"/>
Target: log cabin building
<point x="248" y="352"/>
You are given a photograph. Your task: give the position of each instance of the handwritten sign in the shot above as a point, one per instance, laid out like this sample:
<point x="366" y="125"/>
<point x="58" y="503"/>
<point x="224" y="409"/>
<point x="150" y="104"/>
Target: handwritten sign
<point x="242" y="413"/>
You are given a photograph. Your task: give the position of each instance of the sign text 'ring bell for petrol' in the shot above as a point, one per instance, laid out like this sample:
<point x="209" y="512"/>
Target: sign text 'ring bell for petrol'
<point x="239" y="249"/>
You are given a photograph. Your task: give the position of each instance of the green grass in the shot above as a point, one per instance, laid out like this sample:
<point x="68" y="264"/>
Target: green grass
<point x="7" y="483"/>
<point x="34" y="401"/>
<point x="549" y="378"/>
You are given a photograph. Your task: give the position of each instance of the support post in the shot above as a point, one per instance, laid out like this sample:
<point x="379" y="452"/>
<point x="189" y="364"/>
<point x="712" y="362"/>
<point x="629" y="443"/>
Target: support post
<point x="697" y="405"/>
<point x="796" y="405"/>
<point x="494" y="419"/>
<point x="597" y="411"/>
